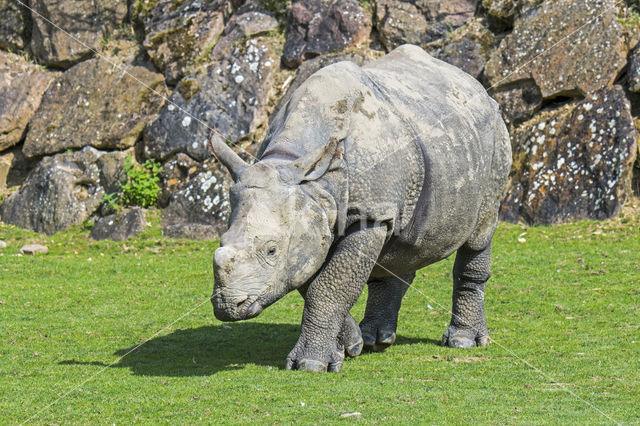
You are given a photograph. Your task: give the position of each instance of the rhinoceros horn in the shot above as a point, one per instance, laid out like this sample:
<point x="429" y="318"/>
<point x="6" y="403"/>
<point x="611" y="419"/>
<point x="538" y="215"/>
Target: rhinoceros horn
<point x="227" y="157"/>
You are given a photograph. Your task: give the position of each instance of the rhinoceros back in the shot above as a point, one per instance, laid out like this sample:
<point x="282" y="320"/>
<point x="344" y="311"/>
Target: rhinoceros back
<point x="457" y="126"/>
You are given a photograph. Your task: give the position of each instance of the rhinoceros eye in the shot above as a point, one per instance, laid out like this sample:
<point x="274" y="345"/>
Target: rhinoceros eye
<point x="268" y="253"/>
<point x="269" y="249"/>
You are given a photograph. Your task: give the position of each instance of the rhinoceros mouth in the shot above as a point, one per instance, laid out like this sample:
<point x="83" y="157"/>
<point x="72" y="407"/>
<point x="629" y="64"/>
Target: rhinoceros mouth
<point x="227" y="311"/>
<point x="249" y="309"/>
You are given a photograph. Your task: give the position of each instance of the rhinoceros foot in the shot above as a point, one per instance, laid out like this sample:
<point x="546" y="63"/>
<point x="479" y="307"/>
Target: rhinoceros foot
<point x="310" y="356"/>
<point x="455" y="337"/>
<point x="318" y="358"/>
<point x="350" y="337"/>
<point x="304" y="359"/>
<point x="380" y="320"/>
<point x="377" y="339"/>
<point x="320" y="353"/>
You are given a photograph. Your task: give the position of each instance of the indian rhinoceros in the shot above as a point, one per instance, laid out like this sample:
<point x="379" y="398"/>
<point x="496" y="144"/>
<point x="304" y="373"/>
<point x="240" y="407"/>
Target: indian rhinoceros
<point x="366" y="175"/>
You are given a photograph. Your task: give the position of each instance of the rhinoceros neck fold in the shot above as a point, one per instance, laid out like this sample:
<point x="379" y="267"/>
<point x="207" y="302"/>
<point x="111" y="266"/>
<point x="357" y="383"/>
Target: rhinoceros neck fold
<point x="329" y="192"/>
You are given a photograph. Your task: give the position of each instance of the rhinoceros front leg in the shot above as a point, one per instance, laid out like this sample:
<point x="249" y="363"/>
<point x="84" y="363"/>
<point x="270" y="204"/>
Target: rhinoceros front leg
<point x="468" y="326"/>
<point x="381" y="315"/>
<point x="350" y="337"/>
<point x="331" y="296"/>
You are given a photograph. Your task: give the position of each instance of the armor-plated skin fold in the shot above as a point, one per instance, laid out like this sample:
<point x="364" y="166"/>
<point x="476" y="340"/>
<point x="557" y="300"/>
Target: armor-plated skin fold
<point x="367" y="174"/>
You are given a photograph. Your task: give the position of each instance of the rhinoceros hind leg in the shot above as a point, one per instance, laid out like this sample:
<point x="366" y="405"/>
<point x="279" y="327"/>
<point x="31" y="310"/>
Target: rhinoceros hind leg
<point x="381" y="315"/>
<point x="468" y="326"/>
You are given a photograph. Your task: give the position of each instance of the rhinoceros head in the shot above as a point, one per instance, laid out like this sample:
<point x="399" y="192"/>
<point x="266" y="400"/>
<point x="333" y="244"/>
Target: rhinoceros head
<point x="279" y="234"/>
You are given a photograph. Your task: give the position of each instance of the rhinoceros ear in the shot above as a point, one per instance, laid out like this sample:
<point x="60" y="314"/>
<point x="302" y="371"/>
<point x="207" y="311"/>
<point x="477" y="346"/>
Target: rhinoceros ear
<point x="227" y="157"/>
<point x="314" y="165"/>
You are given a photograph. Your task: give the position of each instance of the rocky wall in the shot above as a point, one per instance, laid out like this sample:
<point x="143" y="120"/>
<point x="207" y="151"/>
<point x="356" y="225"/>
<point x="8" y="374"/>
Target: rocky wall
<point x="84" y="85"/>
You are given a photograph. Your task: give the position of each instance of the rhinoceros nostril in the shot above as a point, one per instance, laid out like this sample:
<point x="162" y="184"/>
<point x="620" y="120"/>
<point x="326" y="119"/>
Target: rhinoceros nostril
<point x="240" y="301"/>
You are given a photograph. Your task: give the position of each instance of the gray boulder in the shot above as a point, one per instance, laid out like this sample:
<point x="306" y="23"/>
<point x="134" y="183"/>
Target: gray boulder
<point x="119" y="226"/>
<point x="230" y="95"/>
<point x="503" y="13"/>
<point x="574" y="162"/>
<point x="34" y="249"/>
<point x="89" y="23"/>
<point x="5" y="166"/>
<point x="21" y="88"/>
<point x="420" y="22"/>
<point x="518" y="101"/>
<point x="176" y="34"/>
<point x="564" y="69"/>
<point x="199" y="207"/>
<point x="108" y="112"/>
<point x="634" y="70"/>
<point x="19" y="166"/>
<point x="11" y="25"/>
<point x="241" y="27"/>
<point x="111" y="166"/>
<point x="61" y="191"/>
<point x="468" y="48"/>
<point x="317" y="26"/>
<point x="174" y="176"/>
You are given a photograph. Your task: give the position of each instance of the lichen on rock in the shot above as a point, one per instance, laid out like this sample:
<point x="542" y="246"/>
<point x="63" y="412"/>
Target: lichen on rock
<point x="231" y="97"/>
<point x="12" y="25"/>
<point x="179" y="32"/>
<point x="548" y="46"/>
<point x="400" y="22"/>
<point x="574" y="162"/>
<point x="199" y="205"/>
<point x="66" y="32"/>
<point x="63" y="190"/>
<point x="95" y="104"/>
<point x="508" y="10"/>
<point x="22" y="85"/>
<point x="468" y="47"/>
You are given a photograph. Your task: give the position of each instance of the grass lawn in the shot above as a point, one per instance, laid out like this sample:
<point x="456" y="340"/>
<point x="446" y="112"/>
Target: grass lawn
<point x="563" y="307"/>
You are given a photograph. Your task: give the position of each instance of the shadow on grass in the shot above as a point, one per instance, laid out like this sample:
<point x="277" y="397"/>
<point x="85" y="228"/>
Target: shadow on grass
<point x="207" y="350"/>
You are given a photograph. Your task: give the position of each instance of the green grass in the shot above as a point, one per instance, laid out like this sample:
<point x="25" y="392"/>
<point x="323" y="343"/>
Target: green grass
<point x="566" y="301"/>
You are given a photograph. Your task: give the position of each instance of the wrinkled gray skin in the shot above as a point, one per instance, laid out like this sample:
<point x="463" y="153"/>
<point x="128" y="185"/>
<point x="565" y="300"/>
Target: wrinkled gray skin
<point x="367" y="174"/>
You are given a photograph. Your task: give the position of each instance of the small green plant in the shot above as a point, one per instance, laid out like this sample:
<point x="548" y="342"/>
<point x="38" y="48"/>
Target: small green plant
<point x="140" y="189"/>
<point x="143" y="7"/>
<point x="106" y="38"/>
<point x="88" y="224"/>
<point x="633" y="17"/>
<point x="112" y="202"/>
